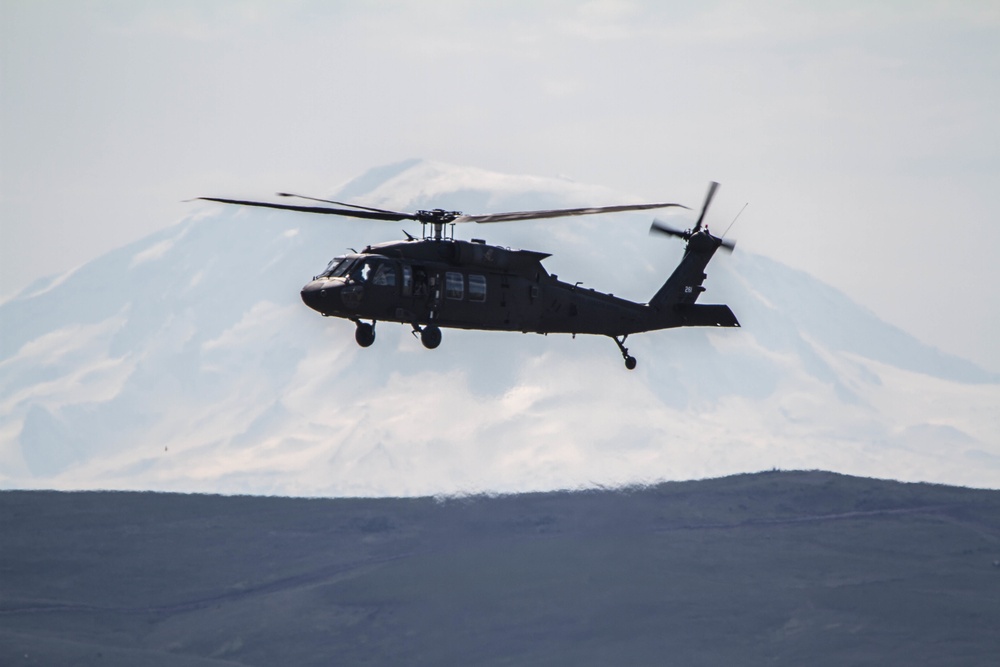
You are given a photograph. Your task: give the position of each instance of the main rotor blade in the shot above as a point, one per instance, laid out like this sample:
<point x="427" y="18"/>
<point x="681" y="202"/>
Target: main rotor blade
<point x="340" y="203"/>
<point x="558" y="213"/>
<point x="370" y="215"/>
<point x="708" y="200"/>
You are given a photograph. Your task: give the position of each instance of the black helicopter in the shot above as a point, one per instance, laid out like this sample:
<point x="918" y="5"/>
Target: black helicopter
<point x="437" y="281"/>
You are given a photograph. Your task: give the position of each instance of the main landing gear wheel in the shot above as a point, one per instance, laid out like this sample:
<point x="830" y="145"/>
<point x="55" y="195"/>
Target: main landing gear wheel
<point x="430" y="336"/>
<point x="365" y="334"/>
<point x="630" y="362"/>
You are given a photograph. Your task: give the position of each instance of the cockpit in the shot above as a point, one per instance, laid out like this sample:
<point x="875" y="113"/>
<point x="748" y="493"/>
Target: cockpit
<point x="361" y="270"/>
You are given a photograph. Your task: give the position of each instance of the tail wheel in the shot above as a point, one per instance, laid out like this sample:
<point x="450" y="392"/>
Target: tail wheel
<point x="629" y="359"/>
<point x="430" y="336"/>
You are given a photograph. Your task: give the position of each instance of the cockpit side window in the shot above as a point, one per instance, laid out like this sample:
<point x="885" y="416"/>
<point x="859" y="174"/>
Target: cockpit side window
<point x="371" y="271"/>
<point x="385" y="275"/>
<point x="357" y="272"/>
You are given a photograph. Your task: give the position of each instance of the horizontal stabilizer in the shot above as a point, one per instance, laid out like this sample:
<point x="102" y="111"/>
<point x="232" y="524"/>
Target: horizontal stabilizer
<point x="695" y="315"/>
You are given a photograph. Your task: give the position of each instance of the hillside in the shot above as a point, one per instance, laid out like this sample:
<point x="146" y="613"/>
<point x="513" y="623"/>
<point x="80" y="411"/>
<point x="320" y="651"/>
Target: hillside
<point x="781" y="568"/>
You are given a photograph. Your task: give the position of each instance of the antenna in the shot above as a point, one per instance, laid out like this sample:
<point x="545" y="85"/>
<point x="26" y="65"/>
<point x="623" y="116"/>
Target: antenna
<point x="734" y="220"/>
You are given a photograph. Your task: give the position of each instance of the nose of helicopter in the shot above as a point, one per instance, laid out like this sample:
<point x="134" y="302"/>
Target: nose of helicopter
<point x="316" y="294"/>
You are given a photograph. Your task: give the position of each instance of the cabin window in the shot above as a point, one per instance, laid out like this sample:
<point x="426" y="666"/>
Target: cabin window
<point x="385" y="275"/>
<point x="477" y="287"/>
<point x="407" y="280"/>
<point x="454" y="285"/>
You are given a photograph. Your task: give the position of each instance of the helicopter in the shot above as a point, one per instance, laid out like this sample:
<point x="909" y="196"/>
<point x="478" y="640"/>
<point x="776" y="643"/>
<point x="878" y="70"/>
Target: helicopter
<point x="438" y="281"/>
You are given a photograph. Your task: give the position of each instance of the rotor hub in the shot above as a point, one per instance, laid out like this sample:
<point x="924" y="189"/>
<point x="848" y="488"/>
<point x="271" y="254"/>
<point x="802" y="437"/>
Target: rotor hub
<point x="437" y="216"/>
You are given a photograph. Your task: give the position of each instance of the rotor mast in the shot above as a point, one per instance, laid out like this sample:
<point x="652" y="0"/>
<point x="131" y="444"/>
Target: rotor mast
<point x="437" y="218"/>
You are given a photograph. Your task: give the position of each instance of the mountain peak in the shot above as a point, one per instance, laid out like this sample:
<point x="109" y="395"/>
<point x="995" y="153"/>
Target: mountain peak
<point x="186" y="362"/>
<point x="419" y="183"/>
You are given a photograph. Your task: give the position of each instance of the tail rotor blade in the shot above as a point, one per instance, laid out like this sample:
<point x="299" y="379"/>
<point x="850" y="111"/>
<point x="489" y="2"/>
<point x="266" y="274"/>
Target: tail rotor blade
<point x="664" y="228"/>
<point x="708" y="200"/>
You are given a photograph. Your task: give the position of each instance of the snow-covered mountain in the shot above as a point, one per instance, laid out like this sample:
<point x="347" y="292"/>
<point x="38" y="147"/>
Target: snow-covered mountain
<point x="186" y="361"/>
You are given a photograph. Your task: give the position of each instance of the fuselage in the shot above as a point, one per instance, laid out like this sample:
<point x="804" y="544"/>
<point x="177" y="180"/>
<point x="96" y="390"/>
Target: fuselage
<point x="466" y="285"/>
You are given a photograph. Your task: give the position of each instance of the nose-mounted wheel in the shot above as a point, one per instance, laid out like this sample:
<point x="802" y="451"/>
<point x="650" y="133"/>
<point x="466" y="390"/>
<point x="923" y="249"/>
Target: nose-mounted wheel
<point x="364" y="334"/>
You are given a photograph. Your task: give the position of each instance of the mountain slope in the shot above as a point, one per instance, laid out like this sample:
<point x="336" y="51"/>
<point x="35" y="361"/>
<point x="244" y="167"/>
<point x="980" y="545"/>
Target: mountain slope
<point x="187" y="362"/>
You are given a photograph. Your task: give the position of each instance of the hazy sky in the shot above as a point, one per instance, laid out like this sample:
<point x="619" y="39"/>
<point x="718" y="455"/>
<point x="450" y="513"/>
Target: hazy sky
<point x="864" y="135"/>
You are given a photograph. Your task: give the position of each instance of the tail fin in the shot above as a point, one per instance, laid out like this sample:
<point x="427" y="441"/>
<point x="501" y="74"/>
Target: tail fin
<point x="675" y="301"/>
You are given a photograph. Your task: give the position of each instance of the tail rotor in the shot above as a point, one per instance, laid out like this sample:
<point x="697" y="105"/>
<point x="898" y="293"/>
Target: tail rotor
<point x="699" y="230"/>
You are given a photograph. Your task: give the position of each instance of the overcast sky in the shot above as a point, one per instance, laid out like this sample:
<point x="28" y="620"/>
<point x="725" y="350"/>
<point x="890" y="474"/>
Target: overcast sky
<point x="864" y="135"/>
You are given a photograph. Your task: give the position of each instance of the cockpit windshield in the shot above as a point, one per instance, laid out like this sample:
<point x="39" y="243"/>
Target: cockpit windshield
<point x="337" y="267"/>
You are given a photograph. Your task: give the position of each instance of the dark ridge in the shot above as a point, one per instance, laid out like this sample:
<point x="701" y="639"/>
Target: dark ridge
<point x="771" y="568"/>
